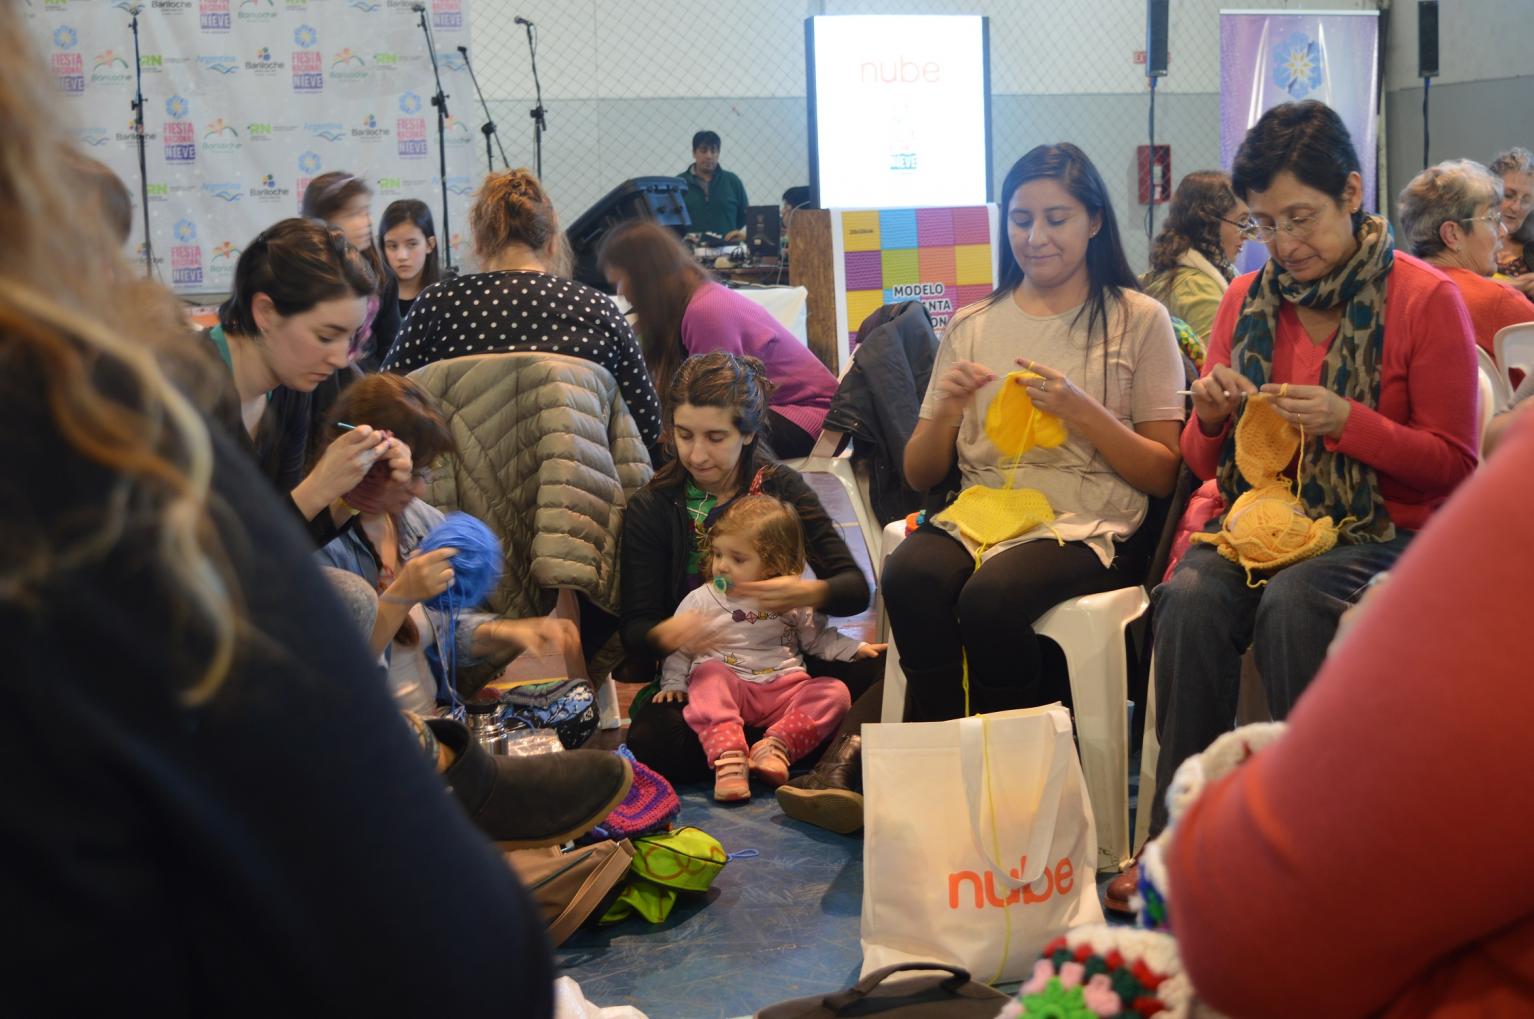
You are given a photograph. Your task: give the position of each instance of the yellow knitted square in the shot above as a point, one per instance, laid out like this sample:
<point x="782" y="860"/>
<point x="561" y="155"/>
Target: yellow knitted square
<point x="1014" y="424"/>
<point x="988" y="516"/>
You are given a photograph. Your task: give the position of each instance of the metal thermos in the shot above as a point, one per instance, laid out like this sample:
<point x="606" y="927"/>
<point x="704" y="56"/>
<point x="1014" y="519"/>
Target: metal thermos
<point x="485" y="725"/>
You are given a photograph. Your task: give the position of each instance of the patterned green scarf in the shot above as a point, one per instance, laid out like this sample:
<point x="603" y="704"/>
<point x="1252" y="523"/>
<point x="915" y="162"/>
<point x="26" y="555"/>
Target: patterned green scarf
<point x="1333" y="484"/>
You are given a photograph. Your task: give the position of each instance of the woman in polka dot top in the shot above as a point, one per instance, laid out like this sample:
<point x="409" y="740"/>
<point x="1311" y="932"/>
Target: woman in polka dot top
<point x="518" y="305"/>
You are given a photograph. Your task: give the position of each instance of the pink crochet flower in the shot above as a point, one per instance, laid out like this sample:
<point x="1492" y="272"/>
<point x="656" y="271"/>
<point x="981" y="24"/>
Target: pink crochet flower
<point x="1101" y="997"/>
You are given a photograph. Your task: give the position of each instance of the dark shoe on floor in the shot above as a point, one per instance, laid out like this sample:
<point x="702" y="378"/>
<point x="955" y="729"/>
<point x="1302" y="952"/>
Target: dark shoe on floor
<point x="528" y="802"/>
<point x="1121" y="889"/>
<point x="831" y="796"/>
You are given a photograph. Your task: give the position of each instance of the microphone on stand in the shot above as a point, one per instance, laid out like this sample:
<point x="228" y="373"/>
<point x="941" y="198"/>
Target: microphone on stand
<point x="418" y="8"/>
<point x="520" y="21"/>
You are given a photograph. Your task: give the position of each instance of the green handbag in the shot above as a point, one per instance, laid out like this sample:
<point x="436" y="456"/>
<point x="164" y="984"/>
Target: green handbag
<point x="685" y="860"/>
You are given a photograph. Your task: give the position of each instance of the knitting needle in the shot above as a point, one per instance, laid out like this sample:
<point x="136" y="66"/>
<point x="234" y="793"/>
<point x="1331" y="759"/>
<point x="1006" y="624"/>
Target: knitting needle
<point x="1228" y="393"/>
<point x="347" y="427"/>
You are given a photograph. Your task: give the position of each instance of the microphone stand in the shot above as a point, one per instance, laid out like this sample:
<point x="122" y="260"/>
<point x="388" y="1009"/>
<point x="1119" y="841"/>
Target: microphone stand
<point x="488" y="127"/>
<point x="138" y="134"/>
<point x="539" y="124"/>
<point x="440" y="102"/>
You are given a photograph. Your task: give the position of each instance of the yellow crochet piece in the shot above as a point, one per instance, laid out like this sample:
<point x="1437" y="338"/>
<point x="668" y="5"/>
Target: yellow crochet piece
<point x="988" y="516"/>
<point x="1267" y="527"/>
<point x="1014" y="424"/>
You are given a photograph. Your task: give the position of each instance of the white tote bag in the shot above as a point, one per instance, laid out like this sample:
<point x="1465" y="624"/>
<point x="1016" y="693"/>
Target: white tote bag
<point x="978" y="846"/>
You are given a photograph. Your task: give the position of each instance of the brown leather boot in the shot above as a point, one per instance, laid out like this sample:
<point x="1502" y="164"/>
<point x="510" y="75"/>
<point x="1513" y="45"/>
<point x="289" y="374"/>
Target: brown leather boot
<point x="1121" y="889"/>
<point x="831" y="796"/>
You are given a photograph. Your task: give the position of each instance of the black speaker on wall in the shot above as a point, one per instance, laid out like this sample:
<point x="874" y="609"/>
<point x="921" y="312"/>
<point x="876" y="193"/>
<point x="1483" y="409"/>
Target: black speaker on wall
<point x="1427" y="38"/>
<point x="1155" y="37"/>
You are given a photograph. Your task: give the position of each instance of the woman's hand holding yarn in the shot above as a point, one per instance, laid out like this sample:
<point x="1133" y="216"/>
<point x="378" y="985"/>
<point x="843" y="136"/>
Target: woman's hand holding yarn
<point x="1217" y="395"/>
<point x="425" y="575"/>
<point x="1314" y="409"/>
<point x="348" y="459"/>
<point x="1056" y="394"/>
<point x="958" y="385"/>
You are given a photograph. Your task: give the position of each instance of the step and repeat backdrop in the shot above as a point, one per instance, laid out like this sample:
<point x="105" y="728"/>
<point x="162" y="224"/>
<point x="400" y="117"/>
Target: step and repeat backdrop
<point x="246" y="101"/>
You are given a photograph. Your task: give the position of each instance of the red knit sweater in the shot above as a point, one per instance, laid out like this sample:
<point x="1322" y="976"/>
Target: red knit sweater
<point x="1423" y="437"/>
<point x="1371" y="861"/>
<point x="1492" y="305"/>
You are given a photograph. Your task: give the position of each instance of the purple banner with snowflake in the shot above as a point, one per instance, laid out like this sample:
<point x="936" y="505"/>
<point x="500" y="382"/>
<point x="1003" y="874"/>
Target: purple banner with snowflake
<point x="1269" y="57"/>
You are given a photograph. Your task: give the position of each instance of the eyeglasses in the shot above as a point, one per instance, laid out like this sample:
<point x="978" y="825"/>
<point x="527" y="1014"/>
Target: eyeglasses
<point x="1298" y="228"/>
<point x="1526" y="200"/>
<point x="1244" y="225"/>
<point x="1491" y="219"/>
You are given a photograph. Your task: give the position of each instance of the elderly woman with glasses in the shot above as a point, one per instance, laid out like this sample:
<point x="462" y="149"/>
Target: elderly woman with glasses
<point x="1516" y="168"/>
<point x="1451" y="217"/>
<point x="1367" y="353"/>
<point x="1191" y="259"/>
<point x="294" y="318"/>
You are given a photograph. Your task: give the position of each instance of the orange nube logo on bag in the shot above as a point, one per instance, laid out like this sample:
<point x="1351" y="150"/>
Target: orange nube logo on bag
<point x="1057" y="881"/>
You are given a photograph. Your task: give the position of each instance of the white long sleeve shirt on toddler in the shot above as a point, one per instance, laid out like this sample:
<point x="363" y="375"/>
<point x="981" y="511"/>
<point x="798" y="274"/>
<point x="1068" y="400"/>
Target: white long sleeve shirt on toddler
<point x="759" y="645"/>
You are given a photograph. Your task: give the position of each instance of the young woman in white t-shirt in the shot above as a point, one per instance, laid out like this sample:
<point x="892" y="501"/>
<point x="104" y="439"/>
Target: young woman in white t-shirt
<point x="1068" y="309"/>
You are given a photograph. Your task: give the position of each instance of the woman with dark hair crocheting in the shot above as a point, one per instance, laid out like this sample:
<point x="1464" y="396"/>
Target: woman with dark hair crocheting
<point x="1346" y="371"/>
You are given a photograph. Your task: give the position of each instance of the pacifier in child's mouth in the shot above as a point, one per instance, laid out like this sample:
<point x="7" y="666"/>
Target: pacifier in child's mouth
<point x="722" y="583"/>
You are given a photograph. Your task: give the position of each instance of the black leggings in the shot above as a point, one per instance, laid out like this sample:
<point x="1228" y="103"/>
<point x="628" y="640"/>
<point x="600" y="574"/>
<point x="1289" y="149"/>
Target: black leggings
<point x="941" y="607"/>
<point x="660" y="737"/>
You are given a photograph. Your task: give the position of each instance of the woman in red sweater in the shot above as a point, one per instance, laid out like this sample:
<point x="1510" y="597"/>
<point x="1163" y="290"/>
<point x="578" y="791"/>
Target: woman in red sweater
<point x="1394" y="773"/>
<point x="1451" y="218"/>
<point x="1376" y="350"/>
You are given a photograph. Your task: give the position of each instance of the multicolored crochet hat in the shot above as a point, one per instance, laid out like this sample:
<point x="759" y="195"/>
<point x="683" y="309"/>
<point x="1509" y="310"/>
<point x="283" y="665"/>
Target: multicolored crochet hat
<point x="1098" y="971"/>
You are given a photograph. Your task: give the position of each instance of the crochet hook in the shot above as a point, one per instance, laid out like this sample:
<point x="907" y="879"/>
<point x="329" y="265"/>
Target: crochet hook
<point x="1189" y="392"/>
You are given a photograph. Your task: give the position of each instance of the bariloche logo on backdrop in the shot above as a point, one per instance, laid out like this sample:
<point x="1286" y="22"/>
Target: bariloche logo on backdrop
<point x="370" y="130"/>
<point x="185" y="255"/>
<point x="180" y="134"/>
<point x="268" y="192"/>
<point x="410" y="130"/>
<point x="129" y="135"/>
<point x="308" y="165"/>
<point x="177" y="7"/>
<point x="308" y="63"/>
<point x="447" y="13"/>
<point x="348" y="66"/>
<point x="213" y="15"/>
<point x="68" y="66"/>
<point x="256" y="11"/>
<point x="220" y="137"/>
<point x="110" y="68"/>
<point x="1297" y="65"/>
<point x="264" y="66"/>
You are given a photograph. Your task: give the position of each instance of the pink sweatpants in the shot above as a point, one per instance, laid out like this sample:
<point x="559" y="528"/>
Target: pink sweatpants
<point x="798" y="709"/>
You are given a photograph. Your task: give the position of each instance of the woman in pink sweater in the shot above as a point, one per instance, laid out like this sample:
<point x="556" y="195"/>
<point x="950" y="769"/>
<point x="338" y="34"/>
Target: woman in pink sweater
<point x="1369" y="351"/>
<point x="682" y="311"/>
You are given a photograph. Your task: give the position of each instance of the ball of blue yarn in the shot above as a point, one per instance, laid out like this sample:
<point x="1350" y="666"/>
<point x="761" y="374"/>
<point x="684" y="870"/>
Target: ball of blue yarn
<point x="476" y="567"/>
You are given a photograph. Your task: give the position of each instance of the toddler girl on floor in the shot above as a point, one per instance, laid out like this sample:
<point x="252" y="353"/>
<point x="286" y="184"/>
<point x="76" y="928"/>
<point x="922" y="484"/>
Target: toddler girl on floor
<point x="753" y="672"/>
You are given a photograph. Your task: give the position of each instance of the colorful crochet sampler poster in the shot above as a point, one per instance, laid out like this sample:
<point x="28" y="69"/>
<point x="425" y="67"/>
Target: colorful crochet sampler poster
<point x="942" y="257"/>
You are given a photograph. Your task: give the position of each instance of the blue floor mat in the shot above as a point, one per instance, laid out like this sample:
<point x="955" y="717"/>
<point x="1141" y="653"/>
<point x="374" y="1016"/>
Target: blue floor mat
<point x="777" y="925"/>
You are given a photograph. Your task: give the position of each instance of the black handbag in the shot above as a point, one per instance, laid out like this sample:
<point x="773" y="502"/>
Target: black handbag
<point x="943" y="992"/>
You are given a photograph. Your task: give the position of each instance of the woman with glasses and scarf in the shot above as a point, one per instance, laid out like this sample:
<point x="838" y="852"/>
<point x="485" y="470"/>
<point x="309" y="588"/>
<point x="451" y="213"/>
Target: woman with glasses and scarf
<point x="1451" y="218"/>
<point x="1193" y="255"/>
<point x="1369" y="353"/>
<point x="293" y="319"/>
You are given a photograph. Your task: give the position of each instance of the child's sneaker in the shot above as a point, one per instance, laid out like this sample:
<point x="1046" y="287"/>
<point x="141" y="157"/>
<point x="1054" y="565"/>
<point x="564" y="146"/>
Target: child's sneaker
<point x="730" y="781"/>
<point x="769" y="761"/>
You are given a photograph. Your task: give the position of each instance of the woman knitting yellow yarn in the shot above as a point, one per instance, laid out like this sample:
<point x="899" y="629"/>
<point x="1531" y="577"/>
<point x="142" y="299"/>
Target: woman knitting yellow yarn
<point x="1054" y="461"/>
<point x="1364" y="351"/>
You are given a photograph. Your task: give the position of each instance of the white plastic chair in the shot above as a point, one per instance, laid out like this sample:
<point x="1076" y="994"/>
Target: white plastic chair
<point x="821" y="461"/>
<point x="1501" y="390"/>
<point x="1514" y="348"/>
<point x="1090" y="630"/>
<point x="1488" y="402"/>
